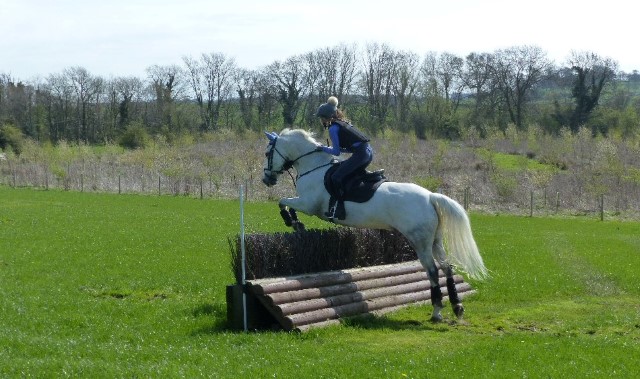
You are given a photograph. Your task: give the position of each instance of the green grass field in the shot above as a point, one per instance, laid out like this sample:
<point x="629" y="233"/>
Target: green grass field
<point x="110" y="286"/>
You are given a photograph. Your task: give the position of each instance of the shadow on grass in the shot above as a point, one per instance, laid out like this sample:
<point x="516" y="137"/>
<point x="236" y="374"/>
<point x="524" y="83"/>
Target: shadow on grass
<point x="215" y="315"/>
<point x="370" y="321"/>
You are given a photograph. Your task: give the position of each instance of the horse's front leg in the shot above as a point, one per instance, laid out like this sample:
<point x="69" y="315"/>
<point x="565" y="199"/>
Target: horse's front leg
<point x="289" y="214"/>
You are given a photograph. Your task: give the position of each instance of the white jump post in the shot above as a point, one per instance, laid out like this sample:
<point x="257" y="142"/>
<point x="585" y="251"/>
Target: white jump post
<point x="243" y="260"/>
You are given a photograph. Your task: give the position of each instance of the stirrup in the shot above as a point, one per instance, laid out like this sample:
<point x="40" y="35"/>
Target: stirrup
<point x="331" y="213"/>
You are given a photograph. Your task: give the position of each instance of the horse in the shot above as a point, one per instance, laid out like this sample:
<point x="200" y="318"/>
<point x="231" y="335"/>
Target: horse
<point x="425" y="218"/>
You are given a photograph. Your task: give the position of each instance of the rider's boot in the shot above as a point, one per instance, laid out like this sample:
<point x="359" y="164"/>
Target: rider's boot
<point x="336" y="207"/>
<point x="333" y="205"/>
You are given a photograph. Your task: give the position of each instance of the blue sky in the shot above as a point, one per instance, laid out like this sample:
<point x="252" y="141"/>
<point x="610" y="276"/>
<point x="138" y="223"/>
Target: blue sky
<point x="124" y="37"/>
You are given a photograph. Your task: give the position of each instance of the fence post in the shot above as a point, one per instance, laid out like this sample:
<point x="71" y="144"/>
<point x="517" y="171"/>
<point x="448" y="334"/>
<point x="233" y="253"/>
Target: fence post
<point x="601" y="207"/>
<point x="466" y="198"/>
<point x="531" y="204"/>
<point x="159" y="185"/>
<point x="557" y="201"/>
<point x="119" y="184"/>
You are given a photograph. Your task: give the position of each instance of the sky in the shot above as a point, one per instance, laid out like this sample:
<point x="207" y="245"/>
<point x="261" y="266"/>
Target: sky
<point x="112" y="38"/>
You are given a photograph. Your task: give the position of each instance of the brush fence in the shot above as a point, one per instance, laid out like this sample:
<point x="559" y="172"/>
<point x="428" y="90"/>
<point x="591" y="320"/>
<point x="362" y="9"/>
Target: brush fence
<point x="320" y="299"/>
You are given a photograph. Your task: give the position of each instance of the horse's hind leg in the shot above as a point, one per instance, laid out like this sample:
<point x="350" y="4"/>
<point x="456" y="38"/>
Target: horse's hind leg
<point x="452" y="292"/>
<point x="422" y="240"/>
<point x="425" y="255"/>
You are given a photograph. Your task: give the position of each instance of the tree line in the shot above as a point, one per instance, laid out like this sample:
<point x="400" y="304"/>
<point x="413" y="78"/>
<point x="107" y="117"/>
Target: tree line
<point x="438" y="95"/>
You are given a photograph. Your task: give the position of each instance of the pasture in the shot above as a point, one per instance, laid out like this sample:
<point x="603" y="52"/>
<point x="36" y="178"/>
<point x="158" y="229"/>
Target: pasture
<point x="104" y="285"/>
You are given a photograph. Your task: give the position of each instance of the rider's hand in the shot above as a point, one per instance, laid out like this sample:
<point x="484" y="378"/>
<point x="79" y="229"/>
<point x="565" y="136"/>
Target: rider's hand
<point x="319" y="148"/>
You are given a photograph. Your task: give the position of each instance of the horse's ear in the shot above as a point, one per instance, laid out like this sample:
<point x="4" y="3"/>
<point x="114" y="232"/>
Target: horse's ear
<point x="271" y="135"/>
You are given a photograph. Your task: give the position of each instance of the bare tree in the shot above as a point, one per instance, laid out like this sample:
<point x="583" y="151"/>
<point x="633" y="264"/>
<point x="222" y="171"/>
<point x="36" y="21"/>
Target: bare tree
<point x="58" y="104"/>
<point x="128" y="91"/>
<point x="448" y="72"/>
<point x="291" y="82"/>
<point x="518" y="70"/>
<point x="166" y="82"/>
<point x="338" y="69"/>
<point x="377" y="77"/>
<point x="404" y="85"/>
<point x="478" y="77"/>
<point x="246" y="82"/>
<point x="218" y="74"/>
<point x="85" y="86"/>
<point x="210" y="80"/>
<point x="428" y="83"/>
<point x="267" y="97"/>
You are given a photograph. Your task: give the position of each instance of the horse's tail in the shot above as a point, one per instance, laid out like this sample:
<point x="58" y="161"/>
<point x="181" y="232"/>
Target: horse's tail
<point x="457" y="234"/>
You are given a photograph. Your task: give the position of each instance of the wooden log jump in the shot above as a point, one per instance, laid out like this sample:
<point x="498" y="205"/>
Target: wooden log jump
<point x="314" y="300"/>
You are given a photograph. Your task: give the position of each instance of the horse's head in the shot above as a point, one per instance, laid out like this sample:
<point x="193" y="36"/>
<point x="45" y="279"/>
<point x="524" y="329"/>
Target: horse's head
<point x="275" y="163"/>
<point x="286" y="150"/>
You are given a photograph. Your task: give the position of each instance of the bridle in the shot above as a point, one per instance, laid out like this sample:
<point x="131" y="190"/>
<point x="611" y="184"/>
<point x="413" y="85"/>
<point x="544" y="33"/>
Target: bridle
<point x="288" y="163"/>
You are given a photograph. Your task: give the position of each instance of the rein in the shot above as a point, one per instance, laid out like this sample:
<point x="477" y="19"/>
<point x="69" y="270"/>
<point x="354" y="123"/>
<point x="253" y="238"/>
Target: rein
<point x="333" y="161"/>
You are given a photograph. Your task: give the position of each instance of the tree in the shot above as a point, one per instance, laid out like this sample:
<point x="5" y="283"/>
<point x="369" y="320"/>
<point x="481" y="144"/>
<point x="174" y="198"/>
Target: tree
<point x="210" y="80"/>
<point x="84" y="86"/>
<point x="377" y="79"/>
<point x="59" y="105"/>
<point x="449" y="73"/>
<point x="338" y="68"/>
<point x="267" y="97"/>
<point x="477" y="76"/>
<point x="246" y="82"/>
<point x="592" y="74"/>
<point x="517" y="71"/>
<point x="291" y="83"/>
<point x="166" y="82"/>
<point x="404" y="86"/>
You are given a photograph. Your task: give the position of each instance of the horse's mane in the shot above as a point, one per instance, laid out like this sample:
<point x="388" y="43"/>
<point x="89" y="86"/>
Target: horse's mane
<point x="299" y="134"/>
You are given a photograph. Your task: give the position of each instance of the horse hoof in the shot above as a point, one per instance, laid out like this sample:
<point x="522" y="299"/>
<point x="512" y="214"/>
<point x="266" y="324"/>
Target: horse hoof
<point x="298" y="226"/>
<point x="458" y="310"/>
<point x="436" y="318"/>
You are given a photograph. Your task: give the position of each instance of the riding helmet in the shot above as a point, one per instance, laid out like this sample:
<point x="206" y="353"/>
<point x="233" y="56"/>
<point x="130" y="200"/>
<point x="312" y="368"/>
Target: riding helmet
<point x="328" y="109"/>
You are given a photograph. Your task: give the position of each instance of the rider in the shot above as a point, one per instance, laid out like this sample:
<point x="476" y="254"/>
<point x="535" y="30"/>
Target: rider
<point x="345" y="138"/>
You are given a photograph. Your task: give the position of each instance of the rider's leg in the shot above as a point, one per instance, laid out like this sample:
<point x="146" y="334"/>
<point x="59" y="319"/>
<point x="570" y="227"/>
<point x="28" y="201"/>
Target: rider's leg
<point x="359" y="160"/>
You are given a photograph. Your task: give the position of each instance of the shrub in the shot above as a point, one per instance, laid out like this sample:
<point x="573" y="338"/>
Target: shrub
<point x="506" y="185"/>
<point x="134" y="137"/>
<point x="11" y="137"/>
<point x="432" y="183"/>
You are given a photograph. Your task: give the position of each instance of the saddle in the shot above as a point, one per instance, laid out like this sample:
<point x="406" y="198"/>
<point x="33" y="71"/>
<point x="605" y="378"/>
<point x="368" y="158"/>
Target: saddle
<point x="359" y="187"/>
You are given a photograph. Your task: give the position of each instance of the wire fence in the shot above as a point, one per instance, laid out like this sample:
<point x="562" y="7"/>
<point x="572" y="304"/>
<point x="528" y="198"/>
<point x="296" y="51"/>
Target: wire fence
<point x="562" y="196"/>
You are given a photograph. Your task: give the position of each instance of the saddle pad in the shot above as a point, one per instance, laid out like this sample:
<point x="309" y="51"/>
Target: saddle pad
<point x="359" y="187"/>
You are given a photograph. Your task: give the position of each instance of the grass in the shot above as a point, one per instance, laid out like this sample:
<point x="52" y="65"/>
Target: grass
<point x="100" y="285"/>
<point x="513" y="162"/>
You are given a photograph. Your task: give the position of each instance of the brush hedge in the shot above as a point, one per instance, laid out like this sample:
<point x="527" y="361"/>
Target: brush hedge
<point x="286" y="254"/>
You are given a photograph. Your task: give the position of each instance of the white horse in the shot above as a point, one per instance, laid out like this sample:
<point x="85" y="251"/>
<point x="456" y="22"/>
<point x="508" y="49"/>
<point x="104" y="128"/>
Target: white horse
<point x="423" y="217"/>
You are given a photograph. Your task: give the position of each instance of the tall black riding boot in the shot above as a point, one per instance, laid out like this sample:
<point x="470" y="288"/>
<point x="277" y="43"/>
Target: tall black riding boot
<point x="340" y="214"/>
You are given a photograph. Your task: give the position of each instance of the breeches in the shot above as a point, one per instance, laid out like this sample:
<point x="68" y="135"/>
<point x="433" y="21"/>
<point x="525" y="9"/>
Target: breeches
<point x="359" y="160"/>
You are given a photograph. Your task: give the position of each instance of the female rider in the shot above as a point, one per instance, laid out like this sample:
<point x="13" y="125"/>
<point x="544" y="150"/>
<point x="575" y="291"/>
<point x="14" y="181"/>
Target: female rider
<point x="345" y="138"/>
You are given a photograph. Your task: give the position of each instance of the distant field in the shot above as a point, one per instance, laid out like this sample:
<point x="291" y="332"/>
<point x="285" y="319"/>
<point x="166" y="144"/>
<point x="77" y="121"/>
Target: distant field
<point x="104" y="285"/>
